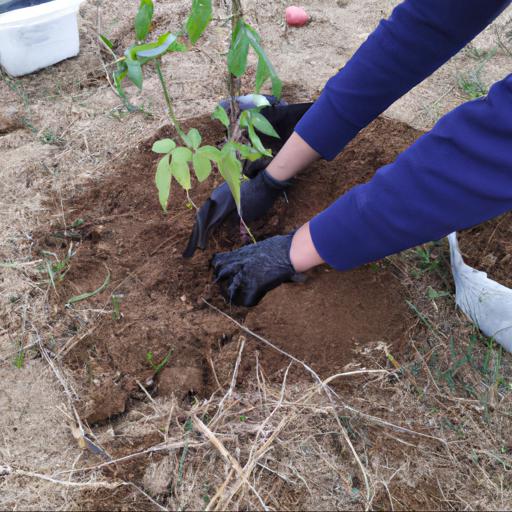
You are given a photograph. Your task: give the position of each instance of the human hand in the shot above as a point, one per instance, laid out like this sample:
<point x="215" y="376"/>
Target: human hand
<point x="258" y="194"/>
<point x="247" y="274"/>
<point x="257" y="197"/>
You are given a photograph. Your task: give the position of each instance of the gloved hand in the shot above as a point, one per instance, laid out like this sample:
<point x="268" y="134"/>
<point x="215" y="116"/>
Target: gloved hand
<point x="247" y="274"/>
<point x="257" y="197"/>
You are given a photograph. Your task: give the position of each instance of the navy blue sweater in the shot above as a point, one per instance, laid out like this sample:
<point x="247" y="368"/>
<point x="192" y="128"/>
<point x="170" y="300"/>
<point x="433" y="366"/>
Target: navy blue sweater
<point x="457" y="175"/>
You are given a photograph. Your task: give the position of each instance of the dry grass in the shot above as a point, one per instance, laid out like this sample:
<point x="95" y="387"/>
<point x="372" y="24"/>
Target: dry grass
<point x="421" y="443"/>
<point x="431" y="431"/>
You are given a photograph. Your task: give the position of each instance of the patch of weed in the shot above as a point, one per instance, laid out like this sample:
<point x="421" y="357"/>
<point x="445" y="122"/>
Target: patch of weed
<point x="116" y="306"/>
<point x="56" y="268"/>
<point x="19" y="360"/>
<point x="157" y="368"/>
<point x="471" y="83"/>
<point x="48" y="137"/>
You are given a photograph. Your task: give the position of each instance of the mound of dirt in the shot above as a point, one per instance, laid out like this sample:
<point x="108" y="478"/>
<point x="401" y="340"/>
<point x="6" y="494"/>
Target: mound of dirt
<point x="332" y="318"/>
<point x="488" y="247"/>
<point x="119" y="230"/>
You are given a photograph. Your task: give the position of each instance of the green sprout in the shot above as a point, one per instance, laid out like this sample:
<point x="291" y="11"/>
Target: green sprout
<point x="158" y="367"/>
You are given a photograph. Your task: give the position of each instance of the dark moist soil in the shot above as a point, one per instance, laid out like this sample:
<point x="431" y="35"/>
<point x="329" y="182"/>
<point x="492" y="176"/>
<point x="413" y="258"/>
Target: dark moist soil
<point x="326" y="322"/>
<point x="488" y="247"/>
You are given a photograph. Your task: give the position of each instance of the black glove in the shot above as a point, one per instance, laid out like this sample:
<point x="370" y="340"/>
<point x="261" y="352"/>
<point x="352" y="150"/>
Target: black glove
<point x="257" y="197"/>
<point x="284" y="119"/>
<point x="247" y="274"/>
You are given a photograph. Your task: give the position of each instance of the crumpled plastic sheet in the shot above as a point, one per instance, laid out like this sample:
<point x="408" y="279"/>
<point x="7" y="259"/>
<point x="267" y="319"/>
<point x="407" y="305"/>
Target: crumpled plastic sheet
<point x="487" y="303"/>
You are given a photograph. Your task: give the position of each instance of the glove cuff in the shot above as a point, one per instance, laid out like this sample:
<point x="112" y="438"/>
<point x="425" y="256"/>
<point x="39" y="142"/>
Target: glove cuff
<point x="273" y="183"/>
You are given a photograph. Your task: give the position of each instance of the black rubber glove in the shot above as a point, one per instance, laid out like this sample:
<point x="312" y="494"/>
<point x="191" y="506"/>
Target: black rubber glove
<point x="257" y="197"/>
<point x="283" y="118"/>
<point x="221" y="205"/>
<point x="247" y="274"/>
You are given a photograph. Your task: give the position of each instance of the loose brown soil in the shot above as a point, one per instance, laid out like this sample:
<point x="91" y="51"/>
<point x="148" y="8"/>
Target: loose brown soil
<point x="125" y="234"/>
<point x="488" y="247"/>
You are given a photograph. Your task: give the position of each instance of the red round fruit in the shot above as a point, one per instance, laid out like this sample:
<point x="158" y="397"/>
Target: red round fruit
<point x="296" y="16"/>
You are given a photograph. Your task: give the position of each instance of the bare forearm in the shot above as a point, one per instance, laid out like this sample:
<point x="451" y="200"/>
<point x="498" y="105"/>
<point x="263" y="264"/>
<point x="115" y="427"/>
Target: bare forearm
<point x="294" y="156"/>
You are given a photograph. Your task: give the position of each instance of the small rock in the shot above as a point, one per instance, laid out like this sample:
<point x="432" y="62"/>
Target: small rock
<point x="296" y="16"/>
<point x="105" y="401"/>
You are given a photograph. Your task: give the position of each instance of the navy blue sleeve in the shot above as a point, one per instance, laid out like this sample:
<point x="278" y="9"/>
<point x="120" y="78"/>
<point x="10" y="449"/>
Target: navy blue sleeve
<point x="419" y="36"/>
<point x="456" y="176"/>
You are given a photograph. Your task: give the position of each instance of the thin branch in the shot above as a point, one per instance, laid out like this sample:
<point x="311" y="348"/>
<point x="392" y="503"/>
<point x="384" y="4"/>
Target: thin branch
<point x="227" y="456"/>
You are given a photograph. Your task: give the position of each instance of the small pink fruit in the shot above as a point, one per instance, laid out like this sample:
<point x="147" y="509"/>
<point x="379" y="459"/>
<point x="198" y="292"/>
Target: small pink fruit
<point x="296" y="16"/>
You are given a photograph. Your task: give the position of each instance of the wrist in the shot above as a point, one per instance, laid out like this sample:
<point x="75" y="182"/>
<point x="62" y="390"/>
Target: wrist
<point x="303" y="254"/>
<point x="274" y="183"/>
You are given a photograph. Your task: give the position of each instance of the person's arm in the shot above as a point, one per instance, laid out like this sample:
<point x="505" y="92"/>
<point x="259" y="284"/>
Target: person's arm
<point x="454" y="177"/>
<point x="419" y="36"/>
<point x="294" y="156"/>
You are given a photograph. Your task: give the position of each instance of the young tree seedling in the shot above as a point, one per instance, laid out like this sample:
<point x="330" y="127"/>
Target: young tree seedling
<point x="186" y="152"/>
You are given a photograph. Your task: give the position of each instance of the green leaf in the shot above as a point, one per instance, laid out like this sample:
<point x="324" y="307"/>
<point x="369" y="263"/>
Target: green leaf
<point x="178" y="47"/>
<point x="156" y="49"/>
<point x="107" y="42"/>
<point x="237" y="56"/>
<point x="163" y="146"/>
<point x="135" y="72"/>
<point x="88" y="295"/>
<point x="158" y="368"/>
<point x="193" y="138"/>
<point x="262" y="75"/>
<point x="202" y="166"/>
<point x="179" y="166"/>
<point x="163" y="179"/>
<point x="143" y="19"/>
<point x="248" y="152"/>
<point x="200" y="17"/>
<point x="243" y="120"/>
<point x="210" y="152"/>
<point x="231" y="170"/>
<point x="266" y="66"/>
<point x="256" y="142"/>
<point x="262" y="124"/>
<point x="221" y="115"/>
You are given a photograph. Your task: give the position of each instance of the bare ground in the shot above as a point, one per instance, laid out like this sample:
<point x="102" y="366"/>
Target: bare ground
<point x="66" y="128"/>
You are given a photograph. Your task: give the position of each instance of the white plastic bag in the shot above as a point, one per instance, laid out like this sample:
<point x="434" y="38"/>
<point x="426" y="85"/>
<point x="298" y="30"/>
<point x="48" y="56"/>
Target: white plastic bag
<point x="487" y="303"/>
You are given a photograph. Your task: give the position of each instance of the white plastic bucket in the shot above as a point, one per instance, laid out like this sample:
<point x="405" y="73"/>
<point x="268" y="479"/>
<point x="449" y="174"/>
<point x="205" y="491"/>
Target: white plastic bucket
<point x="35" y="37"/>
